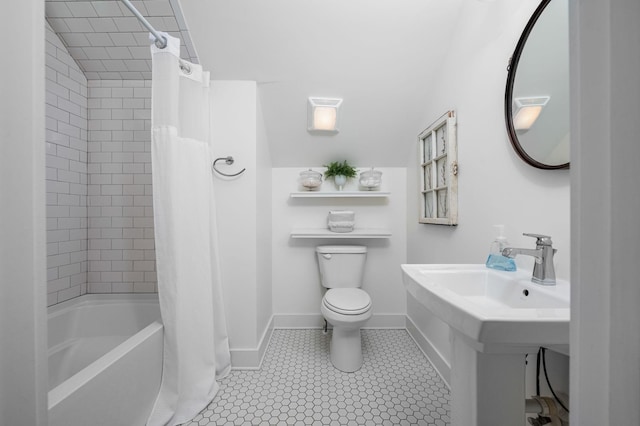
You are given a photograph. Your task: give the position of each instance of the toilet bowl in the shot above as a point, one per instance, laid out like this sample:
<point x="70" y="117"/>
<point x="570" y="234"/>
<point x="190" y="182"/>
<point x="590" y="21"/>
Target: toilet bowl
<point x="345" y="305"/>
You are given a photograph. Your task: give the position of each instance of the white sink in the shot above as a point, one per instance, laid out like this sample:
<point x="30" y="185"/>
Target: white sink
<point x="492" y="307"/>
<point x="495" y="318"/>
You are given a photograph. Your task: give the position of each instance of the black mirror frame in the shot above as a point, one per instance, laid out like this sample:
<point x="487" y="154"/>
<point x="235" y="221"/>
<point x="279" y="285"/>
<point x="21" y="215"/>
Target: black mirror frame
<point x="508" y="96"/>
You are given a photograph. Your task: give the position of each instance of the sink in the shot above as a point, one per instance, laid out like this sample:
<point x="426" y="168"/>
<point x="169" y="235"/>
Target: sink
<point x="495" y="318"/>
<point x="492" y="307"/>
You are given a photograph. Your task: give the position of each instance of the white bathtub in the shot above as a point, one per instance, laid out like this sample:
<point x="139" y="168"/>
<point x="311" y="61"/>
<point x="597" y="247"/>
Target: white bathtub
<point x="105" y="360"/>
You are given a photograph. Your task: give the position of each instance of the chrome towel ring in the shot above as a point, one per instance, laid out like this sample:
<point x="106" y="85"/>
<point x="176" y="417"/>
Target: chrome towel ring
<point x="229" y="161"/>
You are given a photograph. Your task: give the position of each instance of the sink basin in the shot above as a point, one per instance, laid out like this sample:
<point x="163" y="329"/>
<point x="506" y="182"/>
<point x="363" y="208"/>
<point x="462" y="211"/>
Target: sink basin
<point x="492" y="307"/>
<point x="495" y="318"/>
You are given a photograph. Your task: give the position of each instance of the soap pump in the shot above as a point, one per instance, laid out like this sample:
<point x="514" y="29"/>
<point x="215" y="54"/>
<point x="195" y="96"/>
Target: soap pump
<point x="496" y="260"/>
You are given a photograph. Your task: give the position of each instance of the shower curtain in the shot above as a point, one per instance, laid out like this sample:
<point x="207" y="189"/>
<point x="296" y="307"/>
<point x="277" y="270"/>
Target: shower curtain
<point x="196" y="347"/>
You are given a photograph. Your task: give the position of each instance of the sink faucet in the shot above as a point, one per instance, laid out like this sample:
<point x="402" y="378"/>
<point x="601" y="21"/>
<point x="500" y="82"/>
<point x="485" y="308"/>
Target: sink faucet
<point x="543" y="271"/>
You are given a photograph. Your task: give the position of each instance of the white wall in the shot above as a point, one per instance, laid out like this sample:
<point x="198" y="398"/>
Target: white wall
<point x="121" y="245"/>
<point x="23" y="330"/>
<point x="495" y="186"/>
<point x="243" y="209"/>
<point x="605" y="378"/>
<point x="66" y="173"/>
<point x="297" y="291"/>
<point x="263" y="221"/>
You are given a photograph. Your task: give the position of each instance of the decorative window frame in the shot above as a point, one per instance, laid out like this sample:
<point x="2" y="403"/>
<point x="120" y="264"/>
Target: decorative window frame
<point x="438" y="158"/>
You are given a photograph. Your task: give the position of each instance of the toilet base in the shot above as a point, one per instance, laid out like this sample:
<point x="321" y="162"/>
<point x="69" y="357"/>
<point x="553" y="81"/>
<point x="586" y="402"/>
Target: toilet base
<point x="346" y="349"/>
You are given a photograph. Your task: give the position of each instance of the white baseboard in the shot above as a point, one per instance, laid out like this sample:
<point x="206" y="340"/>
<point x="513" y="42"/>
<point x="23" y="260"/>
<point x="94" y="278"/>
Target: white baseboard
<point x="317" y="321"/>
<point x="441" y="365"/>
<point x="251" y="359"/>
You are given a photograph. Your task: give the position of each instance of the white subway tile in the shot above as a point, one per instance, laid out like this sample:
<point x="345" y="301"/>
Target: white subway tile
<point x="99" y="244"/>
<point x="111" y="233"/>
<point x="133" y="212"/>
<point x="122" y="222"/>
<point x="143" y="265"/>
<point x="79" y="257"/>
<point x="78" y="234"/>
<point x="122" y="287"/>
<point x="143" y="244"/>
<point x="68" y="270"/>
<point x="122" y="244"/>
<point x="144" y="287"/>
<point x="68" y="293"/>
<point x="109" y="276"/>
<point x="98" y="287"/>
<point x="57" y="285"/>
<point x="132" y="233"/>
<point x="126" y="200"/>
<point x="124" y="179"/>
<point x="143" y="222"/>
<point x="99" y="266"/>
<point x="122" y="265"/>
<point x="68" y="223"/>
<point x="133" y="255"/>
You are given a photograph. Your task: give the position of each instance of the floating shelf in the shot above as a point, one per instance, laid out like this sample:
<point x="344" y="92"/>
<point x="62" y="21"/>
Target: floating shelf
<point x="340" y="194"/>
<point x="325" y="233"/>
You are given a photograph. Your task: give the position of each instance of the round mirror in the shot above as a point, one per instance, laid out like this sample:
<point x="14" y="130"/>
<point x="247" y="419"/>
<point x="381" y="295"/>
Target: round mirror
<point x="537" y="93"/>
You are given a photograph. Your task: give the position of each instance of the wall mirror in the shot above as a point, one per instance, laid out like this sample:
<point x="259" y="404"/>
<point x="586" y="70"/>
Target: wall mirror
<point x="537" y="92"/>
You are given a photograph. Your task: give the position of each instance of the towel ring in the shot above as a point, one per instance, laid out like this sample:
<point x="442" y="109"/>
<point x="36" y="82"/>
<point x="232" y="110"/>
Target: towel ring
<point x="229" y="161"/>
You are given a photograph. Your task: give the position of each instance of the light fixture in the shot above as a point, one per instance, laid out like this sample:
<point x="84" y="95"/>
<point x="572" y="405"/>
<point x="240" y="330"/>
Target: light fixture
<point x="323" y="115"/>
<point x="527" y="111"/>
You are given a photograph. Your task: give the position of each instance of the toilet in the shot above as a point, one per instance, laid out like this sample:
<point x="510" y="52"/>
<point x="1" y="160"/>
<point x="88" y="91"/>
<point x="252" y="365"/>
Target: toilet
<point x="345" y="305"/>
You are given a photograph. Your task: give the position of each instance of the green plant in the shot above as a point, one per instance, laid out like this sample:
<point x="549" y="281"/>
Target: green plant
<point x="336" y="168"/>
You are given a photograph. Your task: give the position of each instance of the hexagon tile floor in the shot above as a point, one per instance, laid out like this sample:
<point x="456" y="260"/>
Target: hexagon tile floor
<point x="297" y="385"/>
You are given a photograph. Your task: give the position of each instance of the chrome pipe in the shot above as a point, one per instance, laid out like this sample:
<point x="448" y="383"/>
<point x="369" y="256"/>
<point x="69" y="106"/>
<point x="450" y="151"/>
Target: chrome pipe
<point x="161" y="41"/>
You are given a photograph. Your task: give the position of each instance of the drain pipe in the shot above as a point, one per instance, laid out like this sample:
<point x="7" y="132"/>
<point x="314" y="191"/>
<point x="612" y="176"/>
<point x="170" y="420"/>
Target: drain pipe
<point x="549" y="413"/>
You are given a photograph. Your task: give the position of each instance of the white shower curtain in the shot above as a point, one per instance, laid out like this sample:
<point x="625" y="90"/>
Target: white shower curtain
<point x="196" y="347"/>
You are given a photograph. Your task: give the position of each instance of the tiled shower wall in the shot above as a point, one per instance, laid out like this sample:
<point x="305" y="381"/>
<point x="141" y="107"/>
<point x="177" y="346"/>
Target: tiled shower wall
<point x="66" y="174"/>
<point x="121" y="250"/>
<point x="99" y="205"/>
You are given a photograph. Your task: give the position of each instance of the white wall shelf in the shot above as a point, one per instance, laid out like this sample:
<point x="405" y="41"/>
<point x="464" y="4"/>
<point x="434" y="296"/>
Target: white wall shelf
<point x="340" y="194"/>
<point x="356" y="233"/>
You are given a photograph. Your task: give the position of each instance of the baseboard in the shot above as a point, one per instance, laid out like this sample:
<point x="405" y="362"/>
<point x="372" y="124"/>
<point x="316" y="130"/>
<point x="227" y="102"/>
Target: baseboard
<point x="430" y="351"/>
<point x="317" y="321"/>
<point x="251" y="359"/>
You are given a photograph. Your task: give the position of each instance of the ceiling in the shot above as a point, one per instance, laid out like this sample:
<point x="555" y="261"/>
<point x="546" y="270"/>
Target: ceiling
<point x="107" y="40"/>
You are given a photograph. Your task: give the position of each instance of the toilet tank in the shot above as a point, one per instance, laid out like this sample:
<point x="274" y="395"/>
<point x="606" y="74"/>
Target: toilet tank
<point x="341" y="266"/>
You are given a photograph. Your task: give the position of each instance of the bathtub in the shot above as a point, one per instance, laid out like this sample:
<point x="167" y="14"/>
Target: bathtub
<point x="105" y="360"/>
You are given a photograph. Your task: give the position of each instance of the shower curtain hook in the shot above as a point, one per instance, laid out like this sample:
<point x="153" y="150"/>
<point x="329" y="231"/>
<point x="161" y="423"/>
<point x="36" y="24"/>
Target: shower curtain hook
<point x="229" y="161"/>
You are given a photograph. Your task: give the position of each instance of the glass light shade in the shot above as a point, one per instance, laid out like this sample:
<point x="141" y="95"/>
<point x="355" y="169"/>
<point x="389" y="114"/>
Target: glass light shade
<point x="324" y="118"/>
<point x="527" y="111"/>
<point x="323" y="115"/>
<point x="526" y="116"/>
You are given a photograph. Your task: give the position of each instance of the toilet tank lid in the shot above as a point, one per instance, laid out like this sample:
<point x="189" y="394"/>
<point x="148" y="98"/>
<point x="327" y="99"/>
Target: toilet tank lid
<point x="341" y="249"/>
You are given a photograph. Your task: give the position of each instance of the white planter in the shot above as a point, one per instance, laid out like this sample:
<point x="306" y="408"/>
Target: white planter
<point x="340" y="180"/>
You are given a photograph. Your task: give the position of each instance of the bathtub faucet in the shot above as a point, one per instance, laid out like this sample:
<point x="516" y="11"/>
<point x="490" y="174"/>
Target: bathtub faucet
<point x="543" y="270"/>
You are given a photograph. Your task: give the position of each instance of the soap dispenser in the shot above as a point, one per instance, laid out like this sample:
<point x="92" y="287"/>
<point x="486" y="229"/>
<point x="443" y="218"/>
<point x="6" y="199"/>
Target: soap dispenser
<point x="496" y="260"/>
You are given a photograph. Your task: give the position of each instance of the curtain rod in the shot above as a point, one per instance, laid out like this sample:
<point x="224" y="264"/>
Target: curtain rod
<point x="161" y="41"/>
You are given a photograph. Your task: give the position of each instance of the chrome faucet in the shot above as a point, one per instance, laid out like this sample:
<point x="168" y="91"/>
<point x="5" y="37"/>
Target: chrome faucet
<point x="543" y="270"/>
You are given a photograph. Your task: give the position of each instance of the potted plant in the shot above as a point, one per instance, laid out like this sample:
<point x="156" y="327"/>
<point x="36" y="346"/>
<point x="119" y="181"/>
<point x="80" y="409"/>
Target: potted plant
<point x="340" y="172"/>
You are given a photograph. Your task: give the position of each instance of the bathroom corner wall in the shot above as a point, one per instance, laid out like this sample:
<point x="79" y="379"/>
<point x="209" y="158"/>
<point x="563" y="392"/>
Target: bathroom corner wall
<point x="244" y="217"/>
<point x="66" y="172"/>
<point x="121" y="245"/>
<point x="495" y="186"/>
<point x="297" y="291"/>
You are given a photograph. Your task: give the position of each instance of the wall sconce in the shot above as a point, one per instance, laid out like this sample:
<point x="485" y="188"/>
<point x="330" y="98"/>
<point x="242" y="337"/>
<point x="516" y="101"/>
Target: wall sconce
<point x="323" y="115"/>
<point x="527" y="111"/>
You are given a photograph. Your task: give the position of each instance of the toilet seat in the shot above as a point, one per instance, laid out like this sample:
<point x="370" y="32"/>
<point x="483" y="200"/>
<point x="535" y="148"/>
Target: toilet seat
<point x="347" y="301"/>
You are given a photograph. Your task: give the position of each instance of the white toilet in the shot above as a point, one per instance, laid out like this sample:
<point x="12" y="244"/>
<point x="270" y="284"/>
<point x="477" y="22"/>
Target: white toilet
<point x="345" y="305"/>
